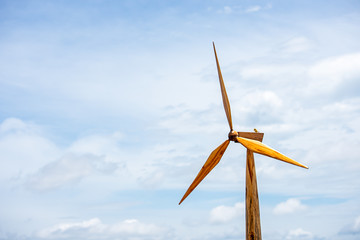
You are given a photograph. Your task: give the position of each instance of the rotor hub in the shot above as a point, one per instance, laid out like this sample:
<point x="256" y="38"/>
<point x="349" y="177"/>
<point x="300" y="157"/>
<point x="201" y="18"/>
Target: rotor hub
<point x="233" y="135"/>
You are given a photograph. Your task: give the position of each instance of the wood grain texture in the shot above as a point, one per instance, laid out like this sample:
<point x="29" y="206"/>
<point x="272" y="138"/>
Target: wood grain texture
<point x="210" y="163"/>
<point x="223" y="92"/>
<point x="251" y="135"/>
<point x="263" y="149"/>
<point x="253" y="228"/>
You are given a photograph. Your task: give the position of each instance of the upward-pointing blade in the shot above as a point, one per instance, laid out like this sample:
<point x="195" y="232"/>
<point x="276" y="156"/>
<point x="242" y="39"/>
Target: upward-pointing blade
<point x="261" y="148"/>
<point x="210" y="163"/>
<point x="223" y="92"/>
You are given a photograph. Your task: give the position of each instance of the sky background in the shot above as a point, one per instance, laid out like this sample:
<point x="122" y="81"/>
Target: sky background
<point x="108" y="109"/>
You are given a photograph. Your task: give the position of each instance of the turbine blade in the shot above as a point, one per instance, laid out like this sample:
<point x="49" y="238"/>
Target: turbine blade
<point x="261" y="148"/>
<point x="210" y="163"/>
<point x="223" y="92"/>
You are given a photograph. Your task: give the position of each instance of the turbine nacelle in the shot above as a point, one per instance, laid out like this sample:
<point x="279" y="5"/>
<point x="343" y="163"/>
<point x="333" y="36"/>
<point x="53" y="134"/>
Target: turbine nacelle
<point x="233" y="135"/>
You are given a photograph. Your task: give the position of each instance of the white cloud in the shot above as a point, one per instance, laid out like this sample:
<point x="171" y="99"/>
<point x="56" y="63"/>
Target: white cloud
<point x="259" y="107"/>
<point x="299" y="233"/>
<point x="29" y="156"/>
<point x="68" y="169"/>
<point x="151" y="179"/>
<point x="329" y="74"/>
<point x="356" y="226"/>
<point x="12" y="124"/>
<point x="272" y="71"/>
<point x="253" y="9"/>
<point x="23" y="148"/>
<point x="227" y="10"/>
<point x="97" y="144"/>
<point x="95" y="229"/>
<point x="224" y="214"/>
<point x="64" y="229"/>
<point x="353" y="229"/>
<point x="262" y="99"/>
<point x="297" y="44"/>
<point x="289" y="206"/>
<point x="135" y="227"/>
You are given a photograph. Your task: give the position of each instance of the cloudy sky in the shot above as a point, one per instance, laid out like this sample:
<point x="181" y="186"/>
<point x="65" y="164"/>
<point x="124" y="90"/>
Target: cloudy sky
<point x="108" y="109"/>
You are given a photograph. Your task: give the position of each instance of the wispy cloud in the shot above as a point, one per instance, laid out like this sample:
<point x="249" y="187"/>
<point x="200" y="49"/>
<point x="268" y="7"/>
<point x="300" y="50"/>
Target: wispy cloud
<point x="94" y="229"/>
<point x="353" y="229"/>
<point x="338" y="74"/>
<point x="289" y="206"/>
<point x="296" y="45"/>
<point x="225" y="214"/>
<point x="299" y="233"/>
<point x="36" y="149"/>
<point x="253" y="9"/>
<point x="227" y="10"/>
<point x="69" y="169"/>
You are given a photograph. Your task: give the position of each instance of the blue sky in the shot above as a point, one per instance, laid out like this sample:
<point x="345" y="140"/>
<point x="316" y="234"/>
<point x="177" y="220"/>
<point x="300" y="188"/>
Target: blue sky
<point x="110" y="108"/>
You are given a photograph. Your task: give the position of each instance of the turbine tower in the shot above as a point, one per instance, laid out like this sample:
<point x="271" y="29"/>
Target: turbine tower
<point x="252" y="141"/>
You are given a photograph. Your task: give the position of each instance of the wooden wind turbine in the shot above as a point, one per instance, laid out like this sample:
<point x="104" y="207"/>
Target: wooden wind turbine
<point x="253" y="143"/>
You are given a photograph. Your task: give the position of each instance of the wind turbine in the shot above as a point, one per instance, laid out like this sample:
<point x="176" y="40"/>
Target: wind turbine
<point x="252" y="141"/>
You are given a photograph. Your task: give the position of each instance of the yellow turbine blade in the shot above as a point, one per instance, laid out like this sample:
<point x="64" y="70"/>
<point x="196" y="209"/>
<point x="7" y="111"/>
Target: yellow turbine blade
<point x="261" y="148"/>
<point x="210" y="163"/>
<point x="223" y="92"/>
